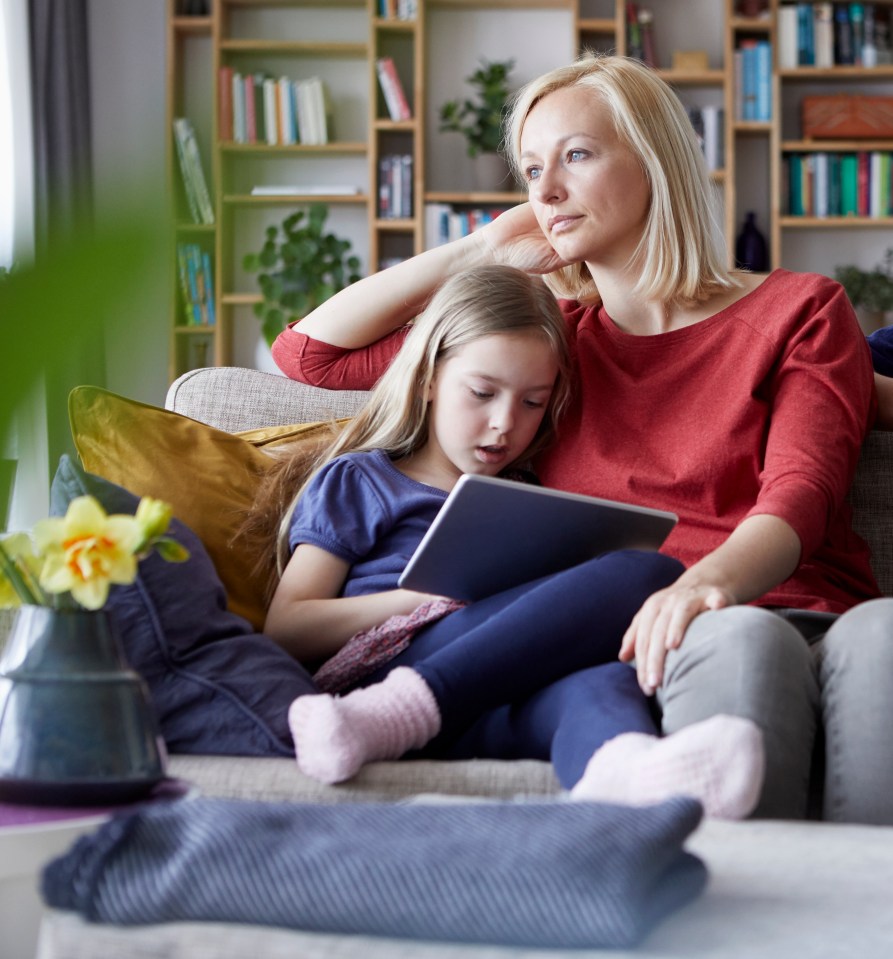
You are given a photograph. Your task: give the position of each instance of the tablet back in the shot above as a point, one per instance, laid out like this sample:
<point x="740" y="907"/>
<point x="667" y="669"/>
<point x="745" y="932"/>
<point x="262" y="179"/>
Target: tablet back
<point x="492" y="534"/>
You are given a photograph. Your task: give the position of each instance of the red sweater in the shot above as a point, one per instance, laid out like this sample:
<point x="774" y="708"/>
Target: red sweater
<point x="761" y="408"/>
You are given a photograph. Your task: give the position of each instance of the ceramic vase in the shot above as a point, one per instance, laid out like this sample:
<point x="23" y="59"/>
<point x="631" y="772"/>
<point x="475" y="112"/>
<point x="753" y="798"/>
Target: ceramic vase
<point x="76" y="724"/>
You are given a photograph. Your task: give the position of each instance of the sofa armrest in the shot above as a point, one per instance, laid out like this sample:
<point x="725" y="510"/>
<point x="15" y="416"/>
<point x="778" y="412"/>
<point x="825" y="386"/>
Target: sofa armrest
<point x="233" y="399"/>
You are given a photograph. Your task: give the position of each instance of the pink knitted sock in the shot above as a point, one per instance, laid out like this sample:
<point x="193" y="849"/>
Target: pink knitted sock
<point x="336" y="735"/>
<point x="719" y="762"/>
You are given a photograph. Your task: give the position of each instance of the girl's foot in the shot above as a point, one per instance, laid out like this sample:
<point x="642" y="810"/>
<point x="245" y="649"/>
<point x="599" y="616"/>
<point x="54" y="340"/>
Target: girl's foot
<point x="336" y="735"/>
<point x="719" y="762"/>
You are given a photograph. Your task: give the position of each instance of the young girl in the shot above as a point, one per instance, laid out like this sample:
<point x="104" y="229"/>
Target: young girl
<point x="528" y="672"/>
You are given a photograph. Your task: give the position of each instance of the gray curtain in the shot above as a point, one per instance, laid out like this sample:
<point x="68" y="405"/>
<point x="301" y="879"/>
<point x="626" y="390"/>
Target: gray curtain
<point x="63" y="182"/>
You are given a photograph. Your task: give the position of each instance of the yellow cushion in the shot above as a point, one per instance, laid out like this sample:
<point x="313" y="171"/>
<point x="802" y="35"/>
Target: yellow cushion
<point x="207" y="475"/>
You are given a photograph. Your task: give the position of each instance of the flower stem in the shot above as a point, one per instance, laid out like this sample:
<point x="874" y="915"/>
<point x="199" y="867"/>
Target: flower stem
<point x="28" y="592"/>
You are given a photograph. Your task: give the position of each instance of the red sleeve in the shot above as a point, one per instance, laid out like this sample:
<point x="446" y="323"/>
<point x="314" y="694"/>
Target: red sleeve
<point x="822" y="403"/>
<point x="334" y="367"/>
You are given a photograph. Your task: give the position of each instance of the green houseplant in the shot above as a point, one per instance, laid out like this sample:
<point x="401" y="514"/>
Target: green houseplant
<point x="481" y="120"/>
<point x="300" y="265"/>
<point x="870" y="289"/>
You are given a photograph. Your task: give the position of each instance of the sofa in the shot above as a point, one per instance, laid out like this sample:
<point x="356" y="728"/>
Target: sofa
<point x="775" y="888"/>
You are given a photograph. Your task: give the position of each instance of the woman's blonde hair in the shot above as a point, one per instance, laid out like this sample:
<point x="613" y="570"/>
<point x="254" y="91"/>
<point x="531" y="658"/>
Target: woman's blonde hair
<point x="681" y="251"/>
<point x="470" y="305"/>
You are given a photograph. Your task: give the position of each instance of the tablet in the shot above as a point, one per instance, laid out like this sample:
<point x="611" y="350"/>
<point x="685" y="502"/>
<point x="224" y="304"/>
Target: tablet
<point x="492" y="534"/>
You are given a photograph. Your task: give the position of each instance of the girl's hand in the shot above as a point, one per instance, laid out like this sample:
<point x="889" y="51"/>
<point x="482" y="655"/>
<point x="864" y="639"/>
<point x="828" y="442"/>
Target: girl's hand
<point x="660" y="626"/>
<point x="514" y="238"/>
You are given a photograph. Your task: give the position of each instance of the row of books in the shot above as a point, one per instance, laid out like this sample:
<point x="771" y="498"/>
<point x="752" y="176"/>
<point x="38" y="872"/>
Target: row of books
<point x="192" y="175"/>
<point x="838" y="184"/>
<point x="833" y="34"/>
<point x="398" y="9"/>
<point x="709" y="124"/>
<point x="196" y="284"/>
<point x="753" y="80"/>
<point x="444" y="223"/>
<point x="258" y="108"/>
<point x="395" y="186"/>
<point x="392" y="89"/>
<point x="640" y="34"/>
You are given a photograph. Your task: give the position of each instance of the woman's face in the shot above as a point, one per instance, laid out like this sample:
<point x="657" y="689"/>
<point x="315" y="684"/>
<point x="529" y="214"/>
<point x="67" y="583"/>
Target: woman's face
<point x="587" y="189"/>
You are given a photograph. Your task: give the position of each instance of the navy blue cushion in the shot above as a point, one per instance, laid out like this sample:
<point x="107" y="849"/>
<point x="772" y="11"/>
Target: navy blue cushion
<point x="216" y="685"/>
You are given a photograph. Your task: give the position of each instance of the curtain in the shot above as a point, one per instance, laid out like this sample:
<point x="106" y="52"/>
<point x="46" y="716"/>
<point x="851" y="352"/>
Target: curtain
<point x="63" y="181"/>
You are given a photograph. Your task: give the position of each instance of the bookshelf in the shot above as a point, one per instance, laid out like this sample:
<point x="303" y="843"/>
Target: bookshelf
<point x="342" y="40"/>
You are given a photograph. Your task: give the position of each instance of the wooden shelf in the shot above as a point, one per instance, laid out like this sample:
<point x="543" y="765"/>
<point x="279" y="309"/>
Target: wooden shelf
<point x="231" y="29"/>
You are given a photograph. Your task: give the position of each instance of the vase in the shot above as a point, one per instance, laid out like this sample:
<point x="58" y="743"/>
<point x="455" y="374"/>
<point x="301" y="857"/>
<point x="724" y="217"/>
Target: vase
<point x="491" y="173"/>
<point x="76" y="723"/>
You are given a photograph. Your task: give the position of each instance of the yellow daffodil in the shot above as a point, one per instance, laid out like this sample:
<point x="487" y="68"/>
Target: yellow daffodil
<point x="86" y="551"/>
<point x="83" y="553"/>
<point x="154" y="517"/>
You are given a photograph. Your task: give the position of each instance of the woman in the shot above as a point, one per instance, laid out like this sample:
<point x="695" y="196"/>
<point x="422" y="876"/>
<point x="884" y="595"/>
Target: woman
<point x="739" y="402"/>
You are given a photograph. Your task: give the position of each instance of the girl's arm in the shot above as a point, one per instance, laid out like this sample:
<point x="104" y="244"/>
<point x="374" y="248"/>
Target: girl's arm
<point x="761" y="552"/>
<point x="309" y="618"/>
<point x="373" y="307"/>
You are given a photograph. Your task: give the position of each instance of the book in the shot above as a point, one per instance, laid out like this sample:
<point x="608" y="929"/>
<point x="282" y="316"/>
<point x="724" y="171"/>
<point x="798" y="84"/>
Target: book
<point x="787" y="37"/>
<point x="271" y="120"/>
<point x="823" y="34"/>
<point x="225" y="103"/>
<point x="193" y="177"/>
<point x="713" y="121"/>
<point x="196" y="285"/>
<point x="392" y="89"/>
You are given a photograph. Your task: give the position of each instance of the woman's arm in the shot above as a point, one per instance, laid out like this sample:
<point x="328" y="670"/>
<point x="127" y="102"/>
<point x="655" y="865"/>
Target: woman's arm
<point x="378" y="304"/>
<point x="884" y="386"/>
<point x="308" y="617"/>
<point x="761" y="552"/>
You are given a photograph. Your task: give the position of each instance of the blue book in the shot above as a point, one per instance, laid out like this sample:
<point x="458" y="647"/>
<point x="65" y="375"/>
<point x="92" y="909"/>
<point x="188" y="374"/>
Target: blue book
<point x="805" y="36"/>
<point x="763" y="79"/>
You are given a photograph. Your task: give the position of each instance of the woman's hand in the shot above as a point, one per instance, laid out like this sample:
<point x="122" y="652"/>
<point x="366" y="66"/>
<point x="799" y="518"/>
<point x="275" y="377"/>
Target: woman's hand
<point x="660" y="625"/>
<point x="514" y="238"/>
<point x="762" y="552"/>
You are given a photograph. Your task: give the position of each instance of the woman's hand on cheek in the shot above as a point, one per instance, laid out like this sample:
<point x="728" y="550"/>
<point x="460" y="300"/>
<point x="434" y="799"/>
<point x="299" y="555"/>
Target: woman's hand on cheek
<point x="660" y="626"/>
<point x="515" y="239"/>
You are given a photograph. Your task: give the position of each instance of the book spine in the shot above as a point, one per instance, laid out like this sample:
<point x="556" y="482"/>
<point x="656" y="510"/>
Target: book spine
<point x="197" y="175"/>
<point x="787" y="37"/>
<point x="209" y="286"/>
<point x="823" y="32"/>
<point x="270" y="121"/>
<point x="763" y="81"/>
<point x="849" y="186"/>
<point x="392" y="88"/>
<point x="225" y="104"/>
<point x="250" y="119"/>
<point x="805" y="35"/>
<point x="238" y="108"/>
<point x="185" y="176"/>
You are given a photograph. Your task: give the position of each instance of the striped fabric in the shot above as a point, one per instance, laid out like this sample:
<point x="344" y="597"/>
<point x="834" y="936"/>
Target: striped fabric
<point x="541" y="874"/>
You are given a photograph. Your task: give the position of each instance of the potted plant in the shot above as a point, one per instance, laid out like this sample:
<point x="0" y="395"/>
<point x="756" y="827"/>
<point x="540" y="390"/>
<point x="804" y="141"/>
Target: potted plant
<point x="870" y="290"/>
<point x="300" y="266"/>
<point x="481" y="119"/>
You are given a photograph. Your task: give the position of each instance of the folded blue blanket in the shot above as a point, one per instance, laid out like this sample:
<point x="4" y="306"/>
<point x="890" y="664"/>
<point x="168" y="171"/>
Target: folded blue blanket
<point x="541" y="874"/>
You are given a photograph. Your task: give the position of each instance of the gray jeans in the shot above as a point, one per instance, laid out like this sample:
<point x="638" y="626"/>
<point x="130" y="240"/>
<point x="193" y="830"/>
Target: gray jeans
<point x="796" y="674"/>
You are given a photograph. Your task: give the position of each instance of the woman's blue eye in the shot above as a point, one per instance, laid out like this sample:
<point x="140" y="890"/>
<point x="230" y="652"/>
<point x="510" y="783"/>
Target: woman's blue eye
<point x="574" y="155"/>
<point x="532" y="173"/>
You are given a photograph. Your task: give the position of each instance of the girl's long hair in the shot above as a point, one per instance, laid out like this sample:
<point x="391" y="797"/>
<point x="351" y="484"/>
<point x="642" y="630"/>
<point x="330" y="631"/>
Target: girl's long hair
<point x="682" y="251"/>
<point x="476" y="303"/>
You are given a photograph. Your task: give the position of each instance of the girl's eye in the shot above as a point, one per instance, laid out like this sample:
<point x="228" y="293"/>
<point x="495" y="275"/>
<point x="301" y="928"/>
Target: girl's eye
<point x="534" y="404"/>
<point x="574" y="156"/>
<point x="532" y="173"/>
<point x="481" y="394"/>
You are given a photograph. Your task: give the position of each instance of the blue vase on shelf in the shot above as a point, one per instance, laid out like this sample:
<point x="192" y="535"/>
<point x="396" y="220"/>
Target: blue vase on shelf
<point x="751" y="252"/>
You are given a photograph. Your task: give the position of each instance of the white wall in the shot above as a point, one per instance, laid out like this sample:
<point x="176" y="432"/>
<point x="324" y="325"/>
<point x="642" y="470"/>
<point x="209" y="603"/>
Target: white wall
<point x="127" y="73"/>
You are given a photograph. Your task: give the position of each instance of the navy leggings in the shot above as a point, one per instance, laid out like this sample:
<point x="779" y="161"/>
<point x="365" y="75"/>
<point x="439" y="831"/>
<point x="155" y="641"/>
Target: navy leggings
<point x="532" y="672"/>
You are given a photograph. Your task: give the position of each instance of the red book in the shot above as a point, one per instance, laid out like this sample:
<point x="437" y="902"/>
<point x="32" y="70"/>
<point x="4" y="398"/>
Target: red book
<point x="250" y="115"/>
<point x="225" y="104"/>
<point x="392" y="88"/>
<point x="863" y="178"/>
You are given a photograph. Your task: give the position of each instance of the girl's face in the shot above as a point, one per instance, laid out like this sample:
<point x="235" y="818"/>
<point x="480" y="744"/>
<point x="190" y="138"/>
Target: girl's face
<point x="486" y="404"/>
<point x="587" y="189"/>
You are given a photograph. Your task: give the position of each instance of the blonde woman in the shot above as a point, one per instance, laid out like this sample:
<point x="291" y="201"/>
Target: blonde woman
<point x="476" y="388"/>
<point x="738" y="401"/>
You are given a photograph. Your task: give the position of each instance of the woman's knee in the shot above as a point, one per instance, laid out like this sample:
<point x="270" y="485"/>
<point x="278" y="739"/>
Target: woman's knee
<point x="861" y="638"/>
